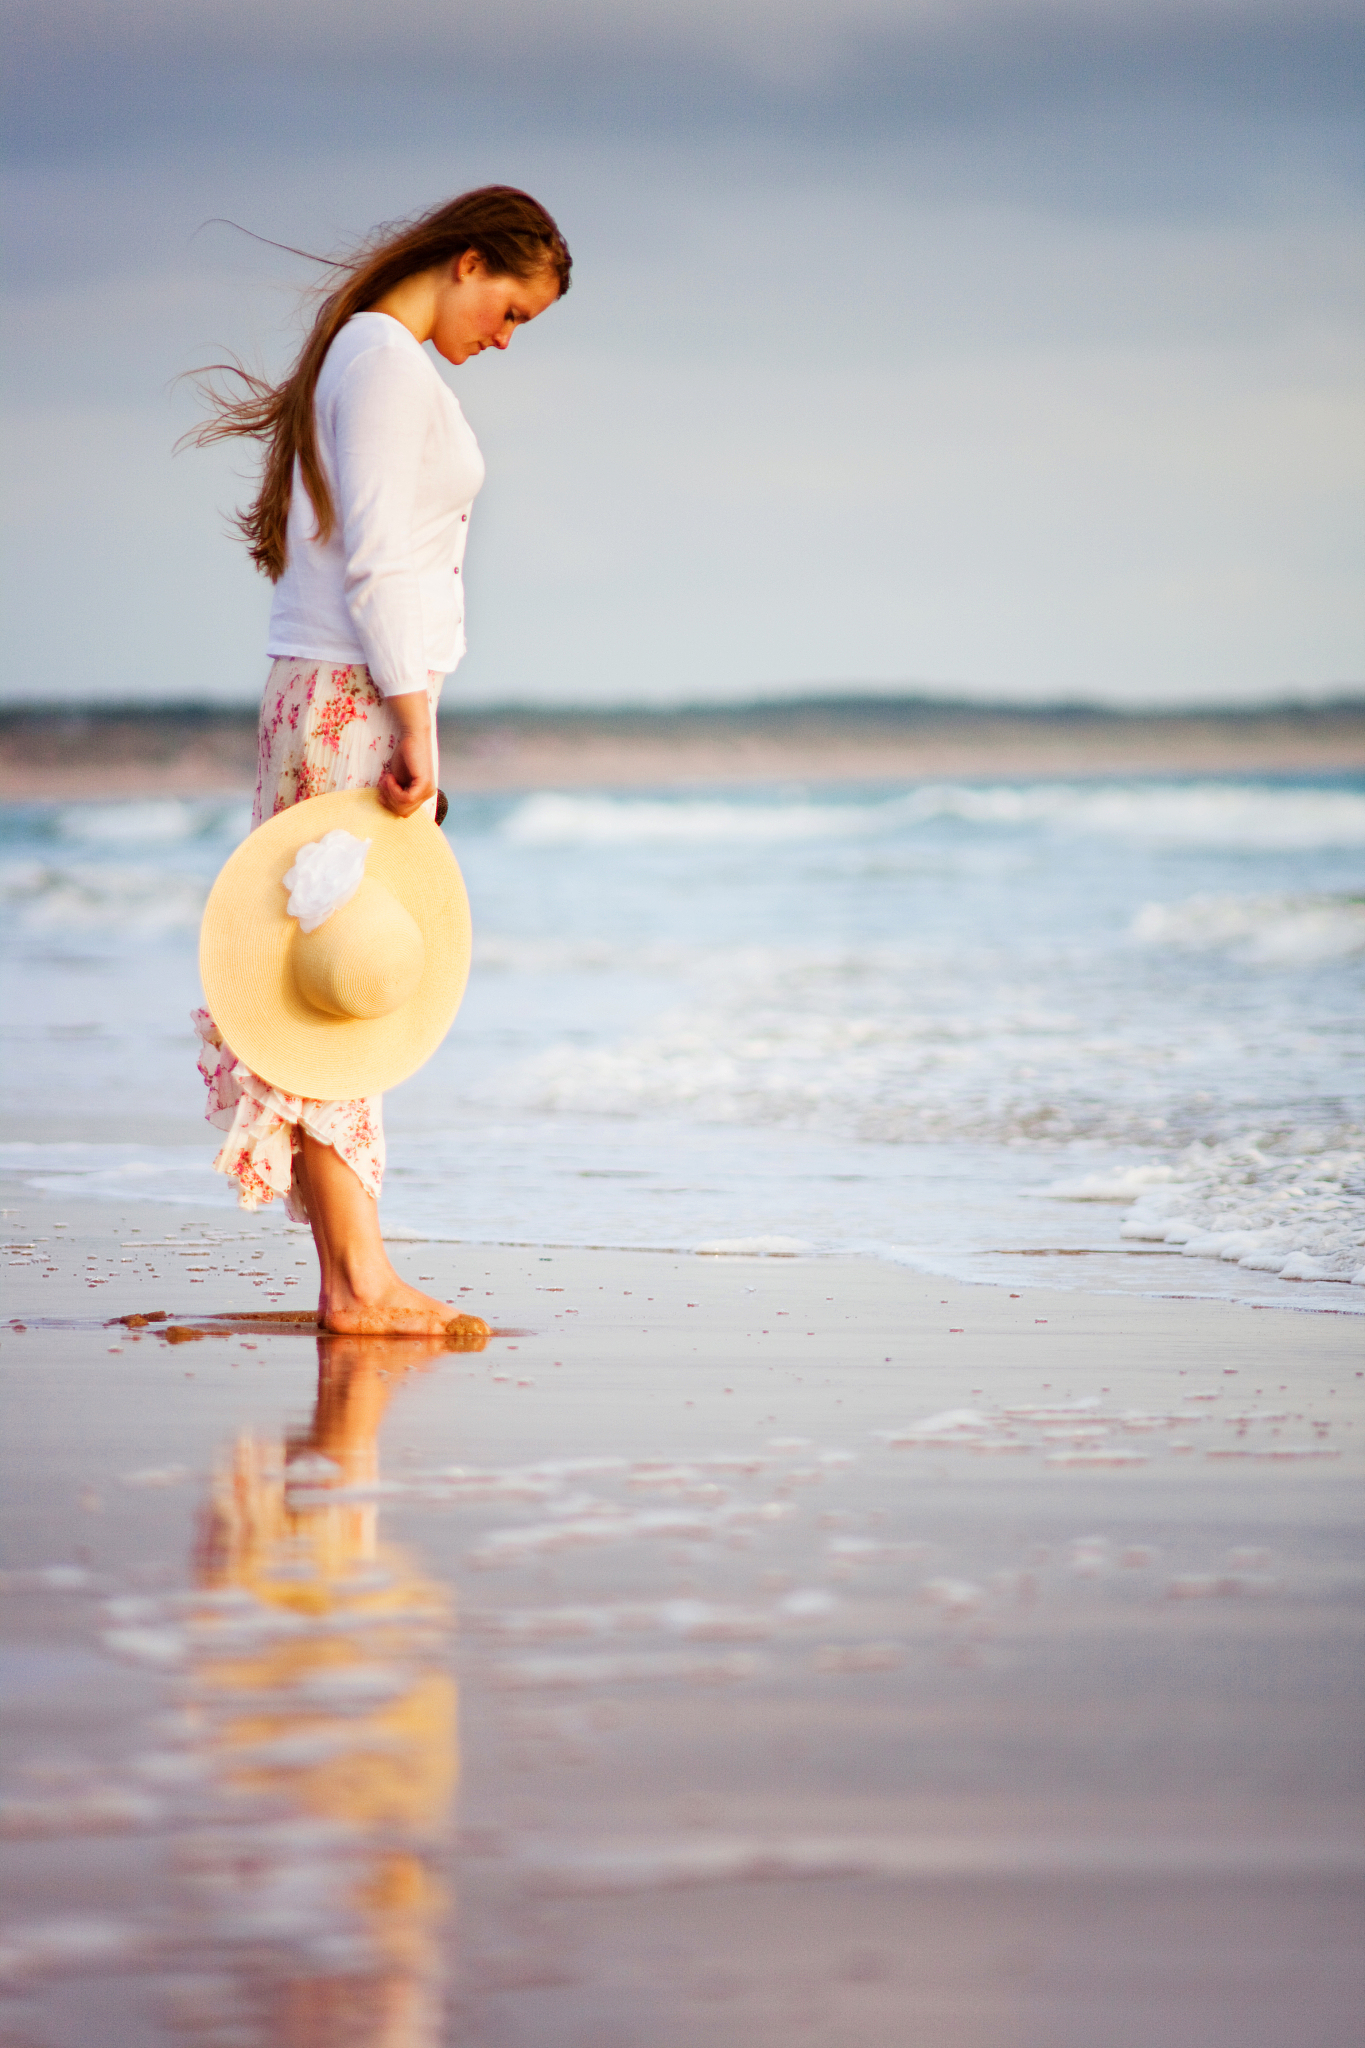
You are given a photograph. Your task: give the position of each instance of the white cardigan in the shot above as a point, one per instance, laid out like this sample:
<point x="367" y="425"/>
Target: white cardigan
<point x="404" y="468"/>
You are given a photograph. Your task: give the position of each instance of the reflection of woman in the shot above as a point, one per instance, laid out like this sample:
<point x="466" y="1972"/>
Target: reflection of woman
<point x="327" y="1723"/>
<point x="370" y="472"/>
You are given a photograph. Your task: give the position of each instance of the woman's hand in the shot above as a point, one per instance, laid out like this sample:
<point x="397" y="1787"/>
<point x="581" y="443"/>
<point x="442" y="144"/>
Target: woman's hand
<point x="410" y="777"/>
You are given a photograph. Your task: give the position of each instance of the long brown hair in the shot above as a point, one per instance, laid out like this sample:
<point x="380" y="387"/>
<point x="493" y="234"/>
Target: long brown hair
<point x="512" y="234"/>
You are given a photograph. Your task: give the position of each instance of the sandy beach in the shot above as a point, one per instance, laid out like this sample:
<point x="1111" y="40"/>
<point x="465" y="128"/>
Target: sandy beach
<point x="741" y="1650"/>
<point x="75" y="756"/>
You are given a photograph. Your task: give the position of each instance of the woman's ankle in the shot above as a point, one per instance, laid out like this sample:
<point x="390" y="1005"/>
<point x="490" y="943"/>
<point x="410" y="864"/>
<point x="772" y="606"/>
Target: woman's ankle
<point x="360" y="1281"/>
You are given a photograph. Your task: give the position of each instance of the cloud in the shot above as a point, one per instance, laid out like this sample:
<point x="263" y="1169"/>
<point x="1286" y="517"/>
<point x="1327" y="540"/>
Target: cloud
<point x="93" y="76"/>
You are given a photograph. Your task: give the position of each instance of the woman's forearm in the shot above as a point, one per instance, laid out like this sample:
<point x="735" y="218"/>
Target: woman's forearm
<point x="410" y="778"/>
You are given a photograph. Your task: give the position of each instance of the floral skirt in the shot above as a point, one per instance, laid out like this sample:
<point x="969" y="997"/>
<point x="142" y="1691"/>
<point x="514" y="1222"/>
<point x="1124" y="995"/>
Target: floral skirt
<point x="323" y="728"/>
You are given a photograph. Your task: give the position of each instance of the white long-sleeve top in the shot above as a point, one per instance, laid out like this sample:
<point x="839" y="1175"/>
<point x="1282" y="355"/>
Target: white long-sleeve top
<point x="403" y="466"/>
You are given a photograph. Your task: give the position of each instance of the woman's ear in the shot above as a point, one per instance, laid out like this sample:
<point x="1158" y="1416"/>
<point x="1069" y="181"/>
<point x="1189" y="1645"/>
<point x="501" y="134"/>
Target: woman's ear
<point x="467" y="265"/>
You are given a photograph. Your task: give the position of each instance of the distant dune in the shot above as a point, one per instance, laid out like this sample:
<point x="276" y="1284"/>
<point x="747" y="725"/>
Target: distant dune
<point x="184" y="751"/>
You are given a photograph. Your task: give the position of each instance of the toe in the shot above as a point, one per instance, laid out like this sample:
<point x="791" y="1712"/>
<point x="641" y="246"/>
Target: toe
<point x="466" y="1333"/>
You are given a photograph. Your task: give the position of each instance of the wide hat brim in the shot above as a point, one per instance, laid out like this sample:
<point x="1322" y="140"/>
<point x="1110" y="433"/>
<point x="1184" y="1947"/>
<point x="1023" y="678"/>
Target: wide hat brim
<point x="247" y="935"/>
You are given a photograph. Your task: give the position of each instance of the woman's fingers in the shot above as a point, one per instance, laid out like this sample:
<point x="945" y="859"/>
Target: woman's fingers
<point x="403" y="802"/>
<point x="395" y="799"/>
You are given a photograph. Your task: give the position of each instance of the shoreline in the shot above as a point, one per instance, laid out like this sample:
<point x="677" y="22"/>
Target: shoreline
<point x="122" y="753"/>
<point x="1063" y="1246"/>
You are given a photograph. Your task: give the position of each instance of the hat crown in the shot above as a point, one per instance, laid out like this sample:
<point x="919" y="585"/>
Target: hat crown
<point x="366" y="959"/>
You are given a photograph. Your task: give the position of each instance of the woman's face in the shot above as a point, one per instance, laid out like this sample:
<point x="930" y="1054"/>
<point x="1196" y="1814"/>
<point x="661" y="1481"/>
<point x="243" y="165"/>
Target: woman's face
<point x="475" y="309"/>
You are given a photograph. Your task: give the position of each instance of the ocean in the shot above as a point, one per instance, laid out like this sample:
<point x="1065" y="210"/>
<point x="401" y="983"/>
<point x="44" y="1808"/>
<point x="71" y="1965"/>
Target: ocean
<point x="1101" y="1034"/>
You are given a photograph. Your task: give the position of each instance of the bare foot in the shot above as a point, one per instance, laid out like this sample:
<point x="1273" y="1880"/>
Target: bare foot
<point x="400" y="1311"/>
<point x="361" y="1294"/>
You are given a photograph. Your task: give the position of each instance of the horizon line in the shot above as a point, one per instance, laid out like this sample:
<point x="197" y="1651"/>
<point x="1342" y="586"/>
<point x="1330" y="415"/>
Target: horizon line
<point x="861" y="701"/>
<point x="825" y="701"/>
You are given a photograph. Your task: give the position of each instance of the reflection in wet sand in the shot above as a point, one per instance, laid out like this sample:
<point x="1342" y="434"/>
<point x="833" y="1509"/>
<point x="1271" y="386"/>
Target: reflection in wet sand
<point x="323" y="1715"/>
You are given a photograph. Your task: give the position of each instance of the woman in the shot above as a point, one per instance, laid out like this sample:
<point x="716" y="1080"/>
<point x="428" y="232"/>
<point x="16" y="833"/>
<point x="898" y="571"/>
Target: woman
<point x="370" y="471"/>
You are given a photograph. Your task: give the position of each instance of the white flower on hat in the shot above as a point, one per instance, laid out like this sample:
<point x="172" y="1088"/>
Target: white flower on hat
<point x="325" y="876"/>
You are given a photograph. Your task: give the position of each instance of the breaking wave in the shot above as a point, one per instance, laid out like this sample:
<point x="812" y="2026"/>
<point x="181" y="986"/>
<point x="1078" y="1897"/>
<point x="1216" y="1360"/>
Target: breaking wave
<point x="155" y="822"/>
<point x="1270" y="931"/>
<point x="1205" y="815"/>
<point x="80" y="896"/>
<point x="1299" y="1214"/>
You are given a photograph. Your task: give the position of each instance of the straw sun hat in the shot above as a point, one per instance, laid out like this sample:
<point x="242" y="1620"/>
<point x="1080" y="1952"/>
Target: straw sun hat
<point x="357" y="1002"/>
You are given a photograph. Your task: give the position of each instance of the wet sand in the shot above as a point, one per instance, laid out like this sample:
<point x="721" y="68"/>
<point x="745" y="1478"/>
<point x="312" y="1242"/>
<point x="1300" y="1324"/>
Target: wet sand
<point x="741" y="1651"/>
<point x="47" y="756"/>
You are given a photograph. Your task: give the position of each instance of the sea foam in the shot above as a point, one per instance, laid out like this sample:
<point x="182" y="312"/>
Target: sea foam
<point x="756" y="1020"/>
<point x="1300" y="1216"/>
<point x="1270" y="931"/>
<point x="1208" y="814"/>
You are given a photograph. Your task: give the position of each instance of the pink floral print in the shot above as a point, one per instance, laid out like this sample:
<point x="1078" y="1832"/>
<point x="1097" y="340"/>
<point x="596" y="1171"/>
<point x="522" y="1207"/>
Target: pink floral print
<point x="264" y="1127"/>
<point x="323" y="728"/>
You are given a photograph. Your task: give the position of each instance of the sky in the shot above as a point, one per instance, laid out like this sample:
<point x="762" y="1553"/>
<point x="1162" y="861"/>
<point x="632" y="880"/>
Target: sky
<point x="1009" y="350"/>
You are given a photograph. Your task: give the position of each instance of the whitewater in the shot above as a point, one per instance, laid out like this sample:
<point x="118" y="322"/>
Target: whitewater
<point x="1105" y="1033"/>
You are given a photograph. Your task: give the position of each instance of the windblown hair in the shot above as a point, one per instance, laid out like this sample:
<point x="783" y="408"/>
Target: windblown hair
<point x="510" y="231"/>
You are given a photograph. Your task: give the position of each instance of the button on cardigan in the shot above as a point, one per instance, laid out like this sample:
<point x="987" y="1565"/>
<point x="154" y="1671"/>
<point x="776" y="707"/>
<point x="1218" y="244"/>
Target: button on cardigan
<point x="404" y="467"/>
